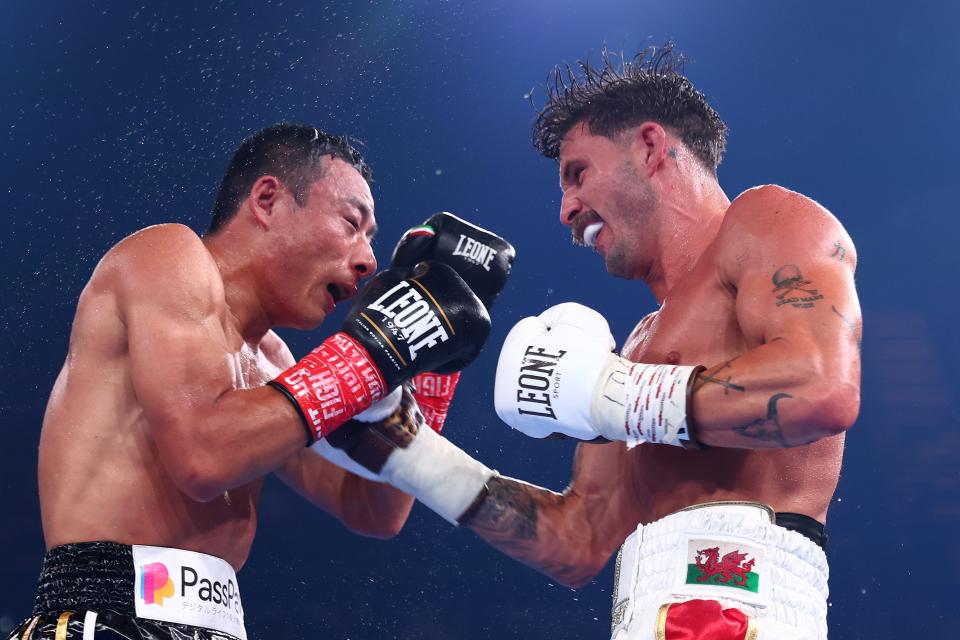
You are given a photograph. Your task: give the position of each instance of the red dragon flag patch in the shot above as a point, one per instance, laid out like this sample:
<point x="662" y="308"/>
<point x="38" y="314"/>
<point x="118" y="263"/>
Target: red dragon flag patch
<point x="724" y="563"/>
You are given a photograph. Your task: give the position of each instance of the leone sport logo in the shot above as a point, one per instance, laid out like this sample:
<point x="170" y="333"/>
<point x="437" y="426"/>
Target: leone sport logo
<point x="155" y="583"/>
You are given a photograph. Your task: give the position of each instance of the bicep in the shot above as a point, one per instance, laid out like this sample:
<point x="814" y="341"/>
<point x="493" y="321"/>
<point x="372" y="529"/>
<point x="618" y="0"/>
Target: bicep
<point x="804" y="300"/>
<point x="180" y="362"/>
<point x="798" y="282"/>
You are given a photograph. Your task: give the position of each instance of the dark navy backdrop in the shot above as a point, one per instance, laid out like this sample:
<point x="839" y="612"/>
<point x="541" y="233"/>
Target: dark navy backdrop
<point x="115" y="116"/>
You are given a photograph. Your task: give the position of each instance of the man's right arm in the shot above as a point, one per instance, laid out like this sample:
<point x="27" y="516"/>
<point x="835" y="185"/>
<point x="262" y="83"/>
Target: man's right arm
<point x="211" y="435"/>
<point x="569" y="536"/>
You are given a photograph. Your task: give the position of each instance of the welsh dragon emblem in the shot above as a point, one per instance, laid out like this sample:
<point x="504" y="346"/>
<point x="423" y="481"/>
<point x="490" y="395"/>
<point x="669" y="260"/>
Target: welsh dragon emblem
<point x="732" y="567"/>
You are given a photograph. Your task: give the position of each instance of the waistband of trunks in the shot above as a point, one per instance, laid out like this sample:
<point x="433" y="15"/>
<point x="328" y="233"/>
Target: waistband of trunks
<point x="804" y="525"/>
<point x="86" y="575"/>
<point x="811" y="529"/>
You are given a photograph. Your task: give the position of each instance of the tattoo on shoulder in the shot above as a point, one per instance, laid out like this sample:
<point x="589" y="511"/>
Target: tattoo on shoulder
<point x="793" y="289"/>
<point x="766" y="429"/>
<point x="713" y="376"/>
<point x="838" y="251"/>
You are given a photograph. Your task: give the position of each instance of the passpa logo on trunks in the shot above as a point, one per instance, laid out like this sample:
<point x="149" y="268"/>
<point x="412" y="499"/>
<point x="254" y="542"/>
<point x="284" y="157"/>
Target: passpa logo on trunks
<point x="156" y="585"/>
<point x="186" y="587"/>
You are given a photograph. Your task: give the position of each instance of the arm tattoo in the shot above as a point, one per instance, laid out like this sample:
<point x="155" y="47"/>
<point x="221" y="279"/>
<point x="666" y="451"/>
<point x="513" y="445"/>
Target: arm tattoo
<point x="711" y="377"/>
<point x="510" y="508"/>
<point x="508" y="519"/>
<point x="838" y="251"/>
<point x="768" y="428"/>
<point x="854" y="330"/>
<point x="793" y="289"/>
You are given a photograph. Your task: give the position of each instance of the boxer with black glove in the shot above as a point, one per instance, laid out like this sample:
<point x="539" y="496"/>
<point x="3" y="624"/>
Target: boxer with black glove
<point x="404" y="322"/>
<point x="386" y="443"/>
<point x="483" y="259"/>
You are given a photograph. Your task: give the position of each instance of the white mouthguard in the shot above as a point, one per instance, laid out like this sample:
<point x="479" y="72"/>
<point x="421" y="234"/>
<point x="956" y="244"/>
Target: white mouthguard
<point x="590" y="233"/>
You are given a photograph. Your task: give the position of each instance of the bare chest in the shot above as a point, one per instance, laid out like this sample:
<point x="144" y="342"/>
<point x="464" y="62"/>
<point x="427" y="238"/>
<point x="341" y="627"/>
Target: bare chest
<point x="695" y="325"/>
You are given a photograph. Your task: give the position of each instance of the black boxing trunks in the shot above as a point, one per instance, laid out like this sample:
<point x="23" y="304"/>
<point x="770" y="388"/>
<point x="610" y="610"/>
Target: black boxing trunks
<point x="107" y="591"/>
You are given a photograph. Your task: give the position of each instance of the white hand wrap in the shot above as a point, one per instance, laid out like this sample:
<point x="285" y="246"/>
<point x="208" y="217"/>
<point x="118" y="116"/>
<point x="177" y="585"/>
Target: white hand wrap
<point x="430" y="467"/>
<point x="637" y="403"/>
<point x="374" y="413"/>
<point x="438" y="473"/>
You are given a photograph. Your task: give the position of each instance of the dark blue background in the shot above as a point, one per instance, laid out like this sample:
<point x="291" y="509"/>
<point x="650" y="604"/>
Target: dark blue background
<point x="115" y="116"/>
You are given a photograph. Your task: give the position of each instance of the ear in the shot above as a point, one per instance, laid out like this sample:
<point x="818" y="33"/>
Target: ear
<point x="263" y="199"/>
<point x="650" y="147"/>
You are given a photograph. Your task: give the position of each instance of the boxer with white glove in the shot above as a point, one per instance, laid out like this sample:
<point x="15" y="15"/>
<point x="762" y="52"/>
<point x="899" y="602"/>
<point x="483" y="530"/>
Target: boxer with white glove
<point x="558" y="375"/>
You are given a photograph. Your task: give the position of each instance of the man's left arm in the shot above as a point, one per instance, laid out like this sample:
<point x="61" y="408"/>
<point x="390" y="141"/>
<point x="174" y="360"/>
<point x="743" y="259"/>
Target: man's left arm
<point x="366" y="507"/>
<point x="791" y="265"/>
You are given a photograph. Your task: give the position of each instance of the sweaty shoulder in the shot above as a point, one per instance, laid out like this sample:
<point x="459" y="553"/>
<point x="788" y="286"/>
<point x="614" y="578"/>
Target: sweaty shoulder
<point x="765" y="223"/>
<point x="166" y="262"/>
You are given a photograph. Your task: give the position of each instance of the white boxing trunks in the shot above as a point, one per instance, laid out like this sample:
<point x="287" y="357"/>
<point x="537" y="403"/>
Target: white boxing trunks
<point x="722" y="570"/>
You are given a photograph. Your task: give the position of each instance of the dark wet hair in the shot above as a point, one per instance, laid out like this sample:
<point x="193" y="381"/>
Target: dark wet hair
<point x="622" y="93"/>
<point x="292" y="153"/>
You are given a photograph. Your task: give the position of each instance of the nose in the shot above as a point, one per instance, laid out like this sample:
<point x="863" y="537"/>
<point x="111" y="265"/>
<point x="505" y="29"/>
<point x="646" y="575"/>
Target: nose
<point x="570" y="206"/>
<point x="365" y="263"/>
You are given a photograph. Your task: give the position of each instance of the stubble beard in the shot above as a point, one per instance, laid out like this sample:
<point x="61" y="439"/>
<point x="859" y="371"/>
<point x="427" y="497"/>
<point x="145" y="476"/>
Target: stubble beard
<point x="634" y="201"/>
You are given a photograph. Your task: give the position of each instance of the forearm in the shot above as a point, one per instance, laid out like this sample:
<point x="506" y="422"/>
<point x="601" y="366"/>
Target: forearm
<point x="777" y="395"/>
<point x="537" y="527"/>
<point x="243" y="436"/>
<point x="373" y="509"/>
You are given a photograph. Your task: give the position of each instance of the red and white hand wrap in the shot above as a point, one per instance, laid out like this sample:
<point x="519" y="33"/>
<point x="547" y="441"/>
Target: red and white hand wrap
<point x="434" y="393"/>
<point x="331" y="384"/>
<point x="656" y="399"/>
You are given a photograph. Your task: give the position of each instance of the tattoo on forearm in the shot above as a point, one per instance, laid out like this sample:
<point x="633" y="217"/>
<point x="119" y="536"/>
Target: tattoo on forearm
<point x="711" y="376"/>
<point x="508" y="519"/>
<point x="793" y="289"/>
<point x="838" y="251"/>
<point x="768" y="428"/>
<point x="510" y="509"/>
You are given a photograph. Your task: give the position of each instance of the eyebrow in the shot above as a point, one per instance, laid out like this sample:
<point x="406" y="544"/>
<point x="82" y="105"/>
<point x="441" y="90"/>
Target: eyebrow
<point x="365" y="214"/>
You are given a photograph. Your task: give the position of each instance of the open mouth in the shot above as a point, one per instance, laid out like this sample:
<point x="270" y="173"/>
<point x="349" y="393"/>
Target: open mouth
<point x="591" y="232"/>
<point x="337" y="292"/>
<point x="587" y="228"/>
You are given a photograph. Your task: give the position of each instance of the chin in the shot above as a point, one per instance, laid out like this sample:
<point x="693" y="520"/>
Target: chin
<point x="307" y="322"/>
<point x="619" y="267"/>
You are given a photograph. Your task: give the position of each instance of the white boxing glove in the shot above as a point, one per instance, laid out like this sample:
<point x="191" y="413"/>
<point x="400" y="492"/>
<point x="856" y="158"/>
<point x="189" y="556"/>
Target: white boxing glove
<point x="548" y="368"/>
<point x="558" y="374"/>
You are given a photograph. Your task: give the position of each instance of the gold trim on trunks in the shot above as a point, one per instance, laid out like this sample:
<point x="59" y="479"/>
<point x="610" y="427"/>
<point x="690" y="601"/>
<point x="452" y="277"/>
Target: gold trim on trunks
<point x="62" y="622"/>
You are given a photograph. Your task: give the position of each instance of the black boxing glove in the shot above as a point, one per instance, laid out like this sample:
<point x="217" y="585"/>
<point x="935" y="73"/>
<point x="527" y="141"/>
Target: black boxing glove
<point x="402" y="323"/>
<point x="483" y="259"/>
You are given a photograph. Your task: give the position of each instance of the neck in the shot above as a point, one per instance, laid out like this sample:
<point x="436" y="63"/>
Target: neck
<point x="690" y="218"/>
<point x="237" y="270"/>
